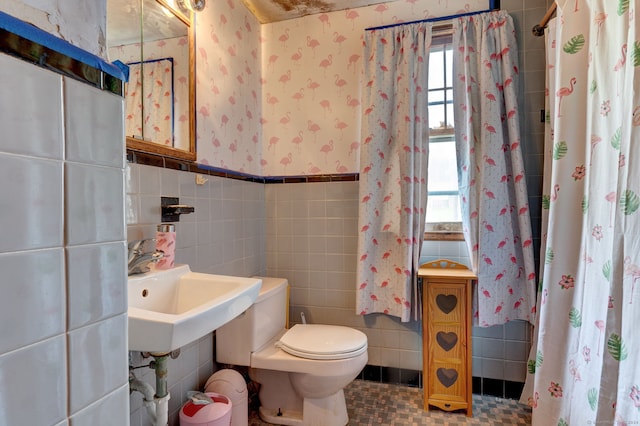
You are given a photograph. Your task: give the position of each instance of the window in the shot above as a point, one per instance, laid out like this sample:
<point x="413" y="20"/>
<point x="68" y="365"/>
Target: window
<point x="443" y="205"/>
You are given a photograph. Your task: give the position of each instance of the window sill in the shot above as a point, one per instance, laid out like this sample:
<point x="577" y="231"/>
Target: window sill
<point x="443" y="236"/>
<point x="443" y="231"/>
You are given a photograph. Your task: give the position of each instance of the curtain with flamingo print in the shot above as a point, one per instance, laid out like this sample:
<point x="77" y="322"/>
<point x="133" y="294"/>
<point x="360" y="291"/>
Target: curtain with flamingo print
<point x="149" y="114"/>
<point x="584" y="363"/>
<point x="495" y="210"/>
<point x="393" y="169"/>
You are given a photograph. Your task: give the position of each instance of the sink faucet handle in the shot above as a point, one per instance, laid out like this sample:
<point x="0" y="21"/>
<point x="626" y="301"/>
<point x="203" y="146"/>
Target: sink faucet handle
<point x="137" y="244"/>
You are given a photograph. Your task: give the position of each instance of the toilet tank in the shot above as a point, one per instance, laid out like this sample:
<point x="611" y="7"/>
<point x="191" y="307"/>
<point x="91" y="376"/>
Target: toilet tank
<point x="248" y="332"/>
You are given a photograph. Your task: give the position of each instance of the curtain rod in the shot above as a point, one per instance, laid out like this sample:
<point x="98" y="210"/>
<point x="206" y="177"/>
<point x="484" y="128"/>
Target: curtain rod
<point x="538" y="30"/>
<point x="493" y="6"/>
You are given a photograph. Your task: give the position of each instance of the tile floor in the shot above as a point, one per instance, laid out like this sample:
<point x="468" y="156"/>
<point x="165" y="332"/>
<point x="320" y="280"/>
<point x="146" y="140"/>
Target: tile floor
<point x="377" y="404"/>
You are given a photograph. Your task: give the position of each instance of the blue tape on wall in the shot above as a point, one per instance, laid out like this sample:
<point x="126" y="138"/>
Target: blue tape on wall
<point x="36" y="35"/>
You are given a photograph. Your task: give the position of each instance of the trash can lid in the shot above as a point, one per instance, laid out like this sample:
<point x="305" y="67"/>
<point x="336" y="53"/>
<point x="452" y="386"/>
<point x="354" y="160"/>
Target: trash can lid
<point x="226" y="380"/>
<point x="198" y="412"/>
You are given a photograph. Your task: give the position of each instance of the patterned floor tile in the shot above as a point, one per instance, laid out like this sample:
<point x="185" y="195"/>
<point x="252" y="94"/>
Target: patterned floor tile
<point x="376" y="404"/>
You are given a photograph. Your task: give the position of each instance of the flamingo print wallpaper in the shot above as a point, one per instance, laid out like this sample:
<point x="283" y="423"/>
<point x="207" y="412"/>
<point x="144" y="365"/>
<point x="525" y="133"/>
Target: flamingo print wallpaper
<point x="283" y="99"/>
<point x="228" y="89"/>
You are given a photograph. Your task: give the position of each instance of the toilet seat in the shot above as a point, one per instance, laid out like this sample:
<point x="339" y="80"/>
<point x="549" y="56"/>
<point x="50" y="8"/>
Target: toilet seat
<point x="323" y="342"/>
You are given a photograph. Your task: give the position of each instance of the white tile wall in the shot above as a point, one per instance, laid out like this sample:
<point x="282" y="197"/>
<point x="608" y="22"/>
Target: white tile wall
<point x="98" y="356"/>
<point x="94" y="204"/>
<point x="31" y="202"/>
<point x="24" y="87"/>
<point x="89" y="112"/>
<point x="76" y="368"/>
<point x="106" y="411"/>
<point x="32" y="282"/>
<point x="36" y="373"/>
<point x="92" y="300"/>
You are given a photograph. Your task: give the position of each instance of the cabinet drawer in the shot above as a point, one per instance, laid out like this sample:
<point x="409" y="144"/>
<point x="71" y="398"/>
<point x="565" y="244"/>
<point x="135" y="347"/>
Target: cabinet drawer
<point x="447" y="342"/>
<point x="446" y="303"/>
<point x="448" y="381"/>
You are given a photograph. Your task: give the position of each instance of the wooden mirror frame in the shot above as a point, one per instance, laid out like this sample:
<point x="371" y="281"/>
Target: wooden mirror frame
<point x="154" y="148"/>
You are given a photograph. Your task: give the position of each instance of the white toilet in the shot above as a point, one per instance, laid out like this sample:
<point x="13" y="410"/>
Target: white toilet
<point x="302" y="371"/>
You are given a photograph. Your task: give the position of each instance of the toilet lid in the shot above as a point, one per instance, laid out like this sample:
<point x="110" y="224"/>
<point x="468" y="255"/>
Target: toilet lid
<point x="315" y="341"/>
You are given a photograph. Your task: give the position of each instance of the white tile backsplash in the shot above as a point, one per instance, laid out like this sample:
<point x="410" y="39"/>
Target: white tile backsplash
<point x="93" y="115"/>
<point x="92" y="299"/>
<point x="30" y="203"/>
<point x="31" y="105"/>
<point x="131" y="179"/>
<point x="32" y="306"/>
<point x="186" y="183"/>
<point x="94" y="204"/>
<point x="149" y="210"/>
<point x="188" y="235"/>
<point x="149" y="179"/>
<point x="131" y="208"/>
<point x="107" y="411"/>
<point x="169" y="183"/>
<point x="40" y="285"/>
<point x="36" y="373"/>
<point x="98" y="354"/>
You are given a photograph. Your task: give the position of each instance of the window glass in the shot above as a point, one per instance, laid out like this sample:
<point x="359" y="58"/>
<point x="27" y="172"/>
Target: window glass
<point x="443" y="203"/>
<point x="449" y="115"/>
<point x="443" y="173"/>
<point x="443" y="208"/>
<point x="449" y="64"/>
<point x="436" y="64"/>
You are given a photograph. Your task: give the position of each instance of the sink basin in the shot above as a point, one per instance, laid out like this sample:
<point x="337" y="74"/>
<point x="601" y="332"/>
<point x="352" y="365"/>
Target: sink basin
<point x="171" y="308"/>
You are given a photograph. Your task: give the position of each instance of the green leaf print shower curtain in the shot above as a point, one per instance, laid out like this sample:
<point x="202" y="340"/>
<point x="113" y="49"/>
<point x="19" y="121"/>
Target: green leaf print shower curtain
<point x="584" y="366"/>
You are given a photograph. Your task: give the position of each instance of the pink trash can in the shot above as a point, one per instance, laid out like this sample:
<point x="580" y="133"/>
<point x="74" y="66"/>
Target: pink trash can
<point x="216" y="414"/>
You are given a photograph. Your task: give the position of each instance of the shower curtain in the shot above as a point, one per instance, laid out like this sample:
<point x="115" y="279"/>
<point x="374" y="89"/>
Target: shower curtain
<point x="493" y="189"/>
<point x="584" y="366"/>
<point x="148" y="112"/>
<point x="393" y="170"/>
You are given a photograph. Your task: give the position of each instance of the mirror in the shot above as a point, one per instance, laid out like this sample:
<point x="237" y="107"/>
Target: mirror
<point x="155" y="38"/>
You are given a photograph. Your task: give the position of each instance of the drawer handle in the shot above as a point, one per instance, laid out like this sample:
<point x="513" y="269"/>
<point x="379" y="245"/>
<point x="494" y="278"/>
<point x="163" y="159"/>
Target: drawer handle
<point x="447" y="405"/>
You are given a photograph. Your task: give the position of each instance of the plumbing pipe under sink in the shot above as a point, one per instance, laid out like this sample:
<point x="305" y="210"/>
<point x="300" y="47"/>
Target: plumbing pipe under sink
<point x="156" y="402"/>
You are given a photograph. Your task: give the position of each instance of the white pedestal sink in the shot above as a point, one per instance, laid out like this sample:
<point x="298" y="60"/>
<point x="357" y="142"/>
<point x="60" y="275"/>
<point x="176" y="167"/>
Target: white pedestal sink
<point x="171" y="308"/>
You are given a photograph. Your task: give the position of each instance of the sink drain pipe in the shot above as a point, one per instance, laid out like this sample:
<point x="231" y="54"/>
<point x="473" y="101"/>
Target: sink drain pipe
<point x="156" y="402"/>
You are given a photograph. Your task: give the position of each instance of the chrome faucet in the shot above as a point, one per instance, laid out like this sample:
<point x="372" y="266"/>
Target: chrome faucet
<point x="139" y="260"/>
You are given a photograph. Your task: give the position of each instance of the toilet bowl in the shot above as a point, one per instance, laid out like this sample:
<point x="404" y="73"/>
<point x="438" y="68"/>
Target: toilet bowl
<point x="303" y="389"/>
<point x="302" y="371"/>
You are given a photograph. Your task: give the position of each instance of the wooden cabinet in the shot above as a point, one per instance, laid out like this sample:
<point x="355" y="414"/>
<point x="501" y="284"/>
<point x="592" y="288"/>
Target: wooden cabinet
<point x="446" y="335"/>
